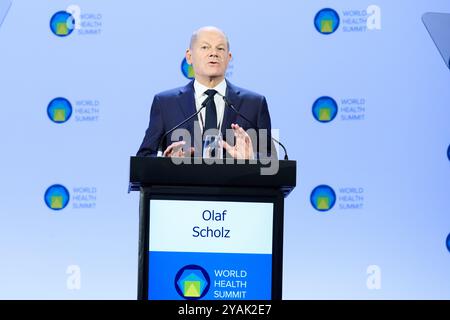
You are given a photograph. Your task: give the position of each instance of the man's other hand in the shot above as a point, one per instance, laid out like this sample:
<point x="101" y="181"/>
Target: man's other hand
<point x="177" y="149"/>
<point x="243" y="148"/>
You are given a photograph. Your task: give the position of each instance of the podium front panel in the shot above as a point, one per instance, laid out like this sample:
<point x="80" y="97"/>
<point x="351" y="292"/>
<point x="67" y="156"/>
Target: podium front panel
<point x="210" y="244"/>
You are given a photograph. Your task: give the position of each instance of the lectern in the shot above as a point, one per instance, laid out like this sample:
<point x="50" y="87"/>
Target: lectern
<point x="210" y="231"/>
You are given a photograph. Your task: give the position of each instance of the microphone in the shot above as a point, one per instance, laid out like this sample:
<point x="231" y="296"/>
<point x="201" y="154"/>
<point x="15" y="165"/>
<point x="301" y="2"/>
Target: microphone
<point x="229" y="104"/>
<point x="204" y="104"/>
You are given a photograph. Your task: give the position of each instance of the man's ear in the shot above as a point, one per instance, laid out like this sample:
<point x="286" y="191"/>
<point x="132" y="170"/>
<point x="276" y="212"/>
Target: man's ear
<point x="188" y="56"/>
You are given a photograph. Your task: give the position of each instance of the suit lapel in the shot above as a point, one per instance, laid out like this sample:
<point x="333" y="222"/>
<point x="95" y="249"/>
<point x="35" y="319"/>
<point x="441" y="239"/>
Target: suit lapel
<point x="229" y="116"/>
<point x="186" y="101"/>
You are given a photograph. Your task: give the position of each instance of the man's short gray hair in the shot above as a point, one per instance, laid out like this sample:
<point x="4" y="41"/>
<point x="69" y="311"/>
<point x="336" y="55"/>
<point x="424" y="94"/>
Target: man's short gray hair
<point x="196" y="32"/>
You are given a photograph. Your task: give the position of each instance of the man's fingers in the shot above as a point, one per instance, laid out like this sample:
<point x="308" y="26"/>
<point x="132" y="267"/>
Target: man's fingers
<point x="230" y="149"/>
<point x="178" y="144"/>
<point x="175" y="147"/>
<point x="237" y="130"/>
<point x="167" y="152"/>
<point x="235" y="127"/>
<point x="243" y="147"/>
<point x="240" y="134"/>
<point x="226" y="146"/>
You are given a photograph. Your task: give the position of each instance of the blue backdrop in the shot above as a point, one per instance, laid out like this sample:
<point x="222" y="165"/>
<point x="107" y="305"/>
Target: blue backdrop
<point x="379" y="142"/>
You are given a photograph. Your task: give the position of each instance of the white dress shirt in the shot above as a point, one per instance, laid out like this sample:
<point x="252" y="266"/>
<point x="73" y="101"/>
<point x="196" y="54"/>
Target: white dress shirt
<point x="200" y="96"/>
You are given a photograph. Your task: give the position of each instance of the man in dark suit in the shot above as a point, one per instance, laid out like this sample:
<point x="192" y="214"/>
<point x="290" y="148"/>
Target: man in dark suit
<point x="209" y="56"/>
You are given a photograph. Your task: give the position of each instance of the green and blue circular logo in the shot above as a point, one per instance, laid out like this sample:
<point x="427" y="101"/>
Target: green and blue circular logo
<point x="192" y="282"/>
<point x="187" y="69"/>
<point x="324" y="109"/>
<point x="448" y="242"/>
<point x="323" y="198"/>
<point x="56" y="197"/>
<point x="62" y="23"/>
<point x="59" y="110"/>
<point x="326" y="21"/>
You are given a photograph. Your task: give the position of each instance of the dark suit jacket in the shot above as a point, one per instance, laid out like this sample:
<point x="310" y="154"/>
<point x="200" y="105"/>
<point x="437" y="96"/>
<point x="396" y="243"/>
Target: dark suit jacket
<point x="171" y="107"/>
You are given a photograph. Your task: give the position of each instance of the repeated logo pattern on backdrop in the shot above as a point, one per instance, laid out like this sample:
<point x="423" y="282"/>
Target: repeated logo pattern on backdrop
<point x="354" y="20"/>
<point x="59" y="110"/>
<point x="187" y="69"/>
<point x="326" y="21"/>
<point x="448" y="242"/>
<point x="323" y="198"/>
<point x="56" y="197"/>
<point x="324" y="109"/>
<point x="62" y="23"/>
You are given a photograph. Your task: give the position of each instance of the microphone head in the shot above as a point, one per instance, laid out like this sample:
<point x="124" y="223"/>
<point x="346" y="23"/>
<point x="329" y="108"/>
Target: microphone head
<point x="205" y="102"/>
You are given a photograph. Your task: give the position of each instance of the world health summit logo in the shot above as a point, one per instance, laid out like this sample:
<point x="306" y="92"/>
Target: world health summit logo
<point x="326" y="21"/>
<point x="59" y="110"/>
<point x="324" y="109"/>
<point x="448" y="242"/>
<point x="192" y="282"/>
<point x="323" y="198"/>
<point x="187" y="69"/>
<point x="62" y="23"/>
<point x="56" y="197"/>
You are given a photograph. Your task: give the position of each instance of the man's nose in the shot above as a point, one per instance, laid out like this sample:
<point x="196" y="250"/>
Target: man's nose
<point x="213" y="53"/>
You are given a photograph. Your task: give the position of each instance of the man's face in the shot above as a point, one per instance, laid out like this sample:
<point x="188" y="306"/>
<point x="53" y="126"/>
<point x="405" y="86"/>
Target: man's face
<point x="209" y="55"/>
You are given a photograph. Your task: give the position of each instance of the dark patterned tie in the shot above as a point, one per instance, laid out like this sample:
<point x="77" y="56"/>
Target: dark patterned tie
<point x="211" y="112"/>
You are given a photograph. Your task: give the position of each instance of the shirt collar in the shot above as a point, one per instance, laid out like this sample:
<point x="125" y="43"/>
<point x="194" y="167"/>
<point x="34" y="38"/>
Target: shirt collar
<point x="200" y="89"/>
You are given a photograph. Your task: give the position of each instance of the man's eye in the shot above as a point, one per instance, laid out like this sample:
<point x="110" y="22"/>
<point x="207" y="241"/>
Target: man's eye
<point x="222" y="49"/>
<point x="204" y="47"/>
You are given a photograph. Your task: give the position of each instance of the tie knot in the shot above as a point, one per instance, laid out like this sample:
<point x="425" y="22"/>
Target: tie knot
<point x="210" y="93"/>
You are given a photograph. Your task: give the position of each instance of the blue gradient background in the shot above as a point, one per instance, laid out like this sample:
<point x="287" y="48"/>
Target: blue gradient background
<point x="398" y="153"/>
